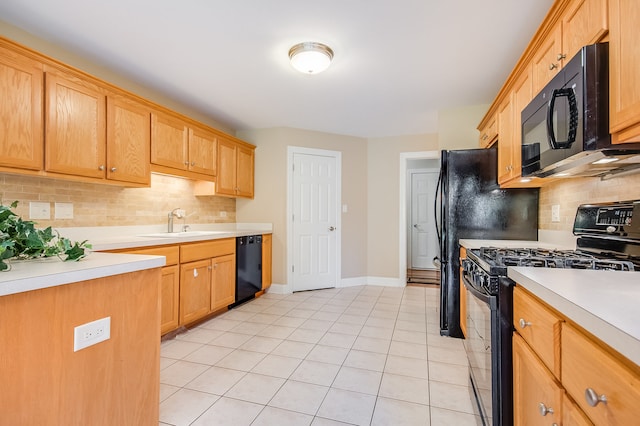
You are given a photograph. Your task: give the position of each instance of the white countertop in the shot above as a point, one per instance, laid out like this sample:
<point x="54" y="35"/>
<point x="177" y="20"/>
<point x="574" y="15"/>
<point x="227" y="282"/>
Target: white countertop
<point x="605" y="303"/>
<point x="27" y="275"/>
<point x="103" y="238"/>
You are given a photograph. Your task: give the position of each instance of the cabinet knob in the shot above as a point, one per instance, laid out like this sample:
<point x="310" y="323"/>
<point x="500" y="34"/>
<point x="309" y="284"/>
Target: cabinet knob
<point x="593" y="398"/>
<point x="193" y="163"/>
<point x="186" y="163"/>
<point x="101" y="168"/>
<point x="544" y="410"/>
<point x="553" y="67"/>
<point x="484" y="137"/>
<point x="113" y="169"/>
<point x="561" y="56"/>
<point x="523" y="323"/>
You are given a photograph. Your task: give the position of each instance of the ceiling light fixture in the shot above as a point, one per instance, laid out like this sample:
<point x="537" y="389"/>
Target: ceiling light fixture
<point x="310" y="57"/>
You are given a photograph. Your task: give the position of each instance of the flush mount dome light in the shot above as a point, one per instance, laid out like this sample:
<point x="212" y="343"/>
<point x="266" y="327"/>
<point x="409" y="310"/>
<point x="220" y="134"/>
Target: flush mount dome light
<point x="310" y="57"/>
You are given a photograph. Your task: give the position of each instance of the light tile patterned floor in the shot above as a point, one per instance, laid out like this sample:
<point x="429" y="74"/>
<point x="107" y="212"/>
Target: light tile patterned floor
<point x="358" y="356"/>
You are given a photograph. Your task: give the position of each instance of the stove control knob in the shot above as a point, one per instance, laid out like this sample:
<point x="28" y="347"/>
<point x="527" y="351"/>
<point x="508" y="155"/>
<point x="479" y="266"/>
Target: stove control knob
<point x="611" y="229"/>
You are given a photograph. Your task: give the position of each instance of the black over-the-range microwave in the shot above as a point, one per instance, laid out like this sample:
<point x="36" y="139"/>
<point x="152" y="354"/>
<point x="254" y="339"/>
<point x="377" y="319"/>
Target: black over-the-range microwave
<point x="565" y="128"/>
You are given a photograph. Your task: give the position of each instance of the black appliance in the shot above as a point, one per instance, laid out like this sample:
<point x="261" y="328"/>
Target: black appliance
<point x="565" y="128"/>
<point x="608" y="239"/>
<point x="470" y="204"/>
<point x="248" y="267"/>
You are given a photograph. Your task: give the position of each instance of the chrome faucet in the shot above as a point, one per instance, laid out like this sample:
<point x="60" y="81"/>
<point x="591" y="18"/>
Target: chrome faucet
<point x="179" y="213"/>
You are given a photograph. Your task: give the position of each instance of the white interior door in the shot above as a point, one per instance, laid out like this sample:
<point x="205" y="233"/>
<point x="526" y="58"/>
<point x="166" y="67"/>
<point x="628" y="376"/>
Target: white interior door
<point x="314" y="221"/>
<point x="424" y="240"/>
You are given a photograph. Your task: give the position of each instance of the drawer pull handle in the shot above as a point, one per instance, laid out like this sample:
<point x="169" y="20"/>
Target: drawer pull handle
<point x="523" y="323"/>
<point x="593" y="398"/>
<point x="544" y="410"/>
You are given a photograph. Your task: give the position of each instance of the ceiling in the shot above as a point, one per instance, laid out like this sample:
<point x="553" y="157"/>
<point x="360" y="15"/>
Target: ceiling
<point x="396" y="62"/>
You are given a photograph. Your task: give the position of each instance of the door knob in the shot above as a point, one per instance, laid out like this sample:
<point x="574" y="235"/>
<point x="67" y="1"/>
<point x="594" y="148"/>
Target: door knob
<point x="331" y="228"/>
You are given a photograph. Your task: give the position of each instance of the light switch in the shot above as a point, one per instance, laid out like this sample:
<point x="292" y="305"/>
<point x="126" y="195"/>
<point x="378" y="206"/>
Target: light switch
<point x="39" y="210"/>
<point x="344" y="208"/>
<point x="63" y="211"/>
<point x="555" y="213"/>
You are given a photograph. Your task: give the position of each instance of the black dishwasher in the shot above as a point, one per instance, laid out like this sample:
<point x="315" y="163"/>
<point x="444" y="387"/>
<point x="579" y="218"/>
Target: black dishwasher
<point x="248" y="267"/>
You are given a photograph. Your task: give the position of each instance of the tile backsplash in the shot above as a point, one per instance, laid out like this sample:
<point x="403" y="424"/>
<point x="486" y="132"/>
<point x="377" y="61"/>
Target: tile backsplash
<point x="570" y="193"/>
<point x="106" y="205"/>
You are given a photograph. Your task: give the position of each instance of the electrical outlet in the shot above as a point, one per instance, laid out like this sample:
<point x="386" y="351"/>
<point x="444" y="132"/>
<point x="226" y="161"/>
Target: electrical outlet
<point x="63" y="211"/>
<point x="39" y="210"/>
<point x="93" y="332"/>
<point x="223" y="214"/>
<point x="555" y="213"/>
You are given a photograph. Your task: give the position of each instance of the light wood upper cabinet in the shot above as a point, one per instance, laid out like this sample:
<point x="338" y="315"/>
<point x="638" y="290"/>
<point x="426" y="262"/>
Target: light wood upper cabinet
<point x="21" y="129"/>
<point x="583" y="22"/>
<point x="75" y="126"/>
<point x="128" y="140"/>
<point x="548" y="59"/>
<point x="235" y="169"/>
<point x="203" y="147"/>
<point x="624" y="67"/>
<point x="169" y="137"/>
<point x="505" y="140"/>
<point x="182" y="147"/>
<point x="488" y="132"/>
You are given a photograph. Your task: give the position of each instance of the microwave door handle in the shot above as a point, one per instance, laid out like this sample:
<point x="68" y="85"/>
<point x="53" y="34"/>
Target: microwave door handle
<point x="573" y="118"/>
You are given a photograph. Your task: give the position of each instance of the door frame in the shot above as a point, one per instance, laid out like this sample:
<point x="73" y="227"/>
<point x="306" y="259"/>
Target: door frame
<point x="402" y="232"/>
<point x="291" y="151"/>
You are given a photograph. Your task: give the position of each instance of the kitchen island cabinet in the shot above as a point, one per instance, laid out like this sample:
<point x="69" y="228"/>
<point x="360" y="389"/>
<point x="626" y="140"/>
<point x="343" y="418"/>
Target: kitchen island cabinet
<point x="561" y="371"/>
<point x="46" y="382"/>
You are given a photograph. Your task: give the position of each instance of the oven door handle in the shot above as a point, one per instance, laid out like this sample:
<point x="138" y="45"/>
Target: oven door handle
<point x="488" y="299"/>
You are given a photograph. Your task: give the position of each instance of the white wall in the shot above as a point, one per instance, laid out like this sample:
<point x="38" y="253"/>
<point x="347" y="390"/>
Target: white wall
<point x="457" y="127"/>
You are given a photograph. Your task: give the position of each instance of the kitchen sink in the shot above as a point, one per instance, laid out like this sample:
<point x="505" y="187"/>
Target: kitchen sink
<point x="183" y="234"/>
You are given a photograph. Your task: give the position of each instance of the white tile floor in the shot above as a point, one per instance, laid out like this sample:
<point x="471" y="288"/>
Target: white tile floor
<point x="360" y="355"/>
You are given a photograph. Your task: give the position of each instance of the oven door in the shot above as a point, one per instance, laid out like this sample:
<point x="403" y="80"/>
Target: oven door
<point x="480" y="345"/>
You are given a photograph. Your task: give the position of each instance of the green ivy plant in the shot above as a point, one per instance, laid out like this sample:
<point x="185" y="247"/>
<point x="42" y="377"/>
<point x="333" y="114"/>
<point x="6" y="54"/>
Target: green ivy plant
<point x="19" y="239"/>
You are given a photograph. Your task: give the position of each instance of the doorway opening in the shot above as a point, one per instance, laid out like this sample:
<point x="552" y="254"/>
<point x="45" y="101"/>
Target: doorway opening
<point x="418" y="239"/>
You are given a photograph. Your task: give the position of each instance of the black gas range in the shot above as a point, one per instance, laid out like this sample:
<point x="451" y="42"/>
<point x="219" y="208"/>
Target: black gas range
<point x="608" y="239"/>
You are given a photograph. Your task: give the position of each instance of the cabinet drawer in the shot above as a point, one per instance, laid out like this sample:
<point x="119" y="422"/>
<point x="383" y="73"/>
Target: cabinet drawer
<point x="539" y="327"/>
<point x="172" y="253"/>
<point x="588" y="366"/>
<point x="205" y="250"/>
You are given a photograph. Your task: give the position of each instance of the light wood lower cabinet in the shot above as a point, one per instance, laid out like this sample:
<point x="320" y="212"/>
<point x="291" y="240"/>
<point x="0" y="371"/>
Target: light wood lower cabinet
<point x="537" y="397"/>
<point x="115" y="382"/>
<point x="195" y="290"/>
<point x="223" y="281"/>
<point x="267" y="254"/>
<point x="558" y="365"/>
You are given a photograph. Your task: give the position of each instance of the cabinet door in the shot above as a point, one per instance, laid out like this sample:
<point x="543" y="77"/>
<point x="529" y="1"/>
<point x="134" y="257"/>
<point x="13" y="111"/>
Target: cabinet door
<point x="244" y="172"/>
<point x="548" y="59"/>
<point x="624" y="63"/>
<point x="584" y="22"/>
<point x="195" y="290"/>
<point x="128" y="141"/>
<point x="202" y="151"/>
<point x="226" y="179"/>
<point x="223" y="281"/>
<point x="572" y="415"/>
<point x="505" y="140"/>
<point x="267" y="251"/>
<point x="75" y="126"/>
<point x="168" y="141"/>
<point x="169" y="297"/>
<point x="537" y="398"/>
<point x="21" y="131"/>
<point x="522" y="95"/>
